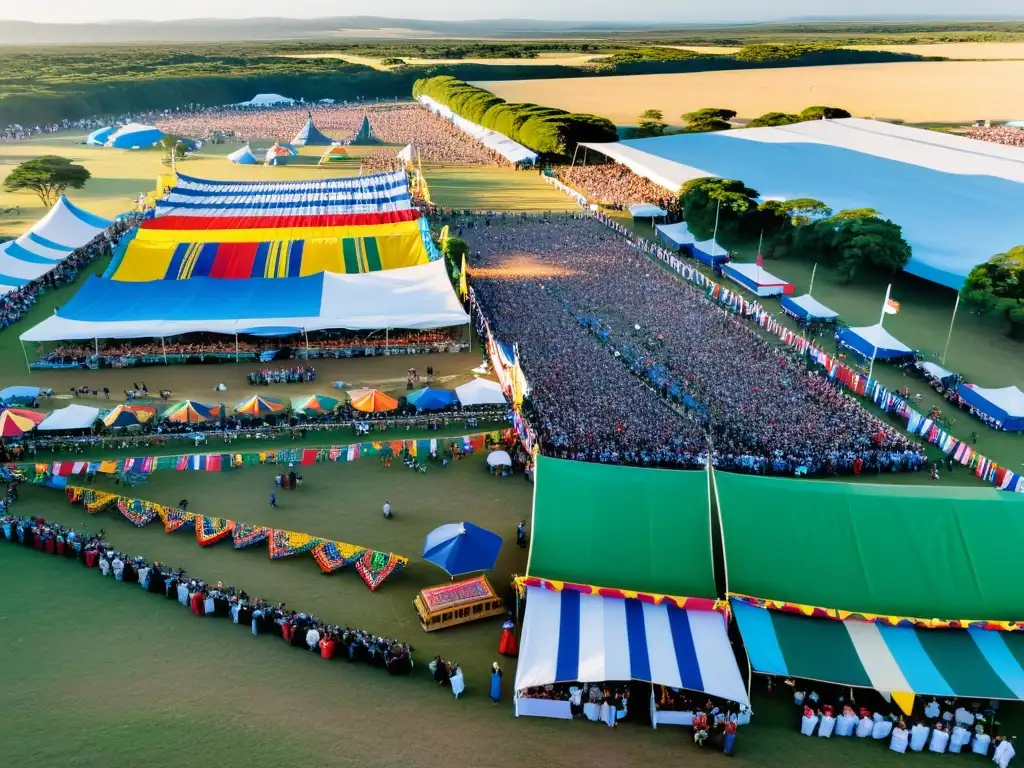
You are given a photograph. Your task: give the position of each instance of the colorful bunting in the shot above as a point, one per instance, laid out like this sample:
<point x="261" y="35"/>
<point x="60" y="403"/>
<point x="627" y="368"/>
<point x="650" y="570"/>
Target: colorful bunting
<point x="334" y="555"/>
<point x="174" y="519"/>
<point x="137" y="511"/>
<point x="374" y="567"/>
<point x="245" y="535"/>
<point x="210" y="530"/>
<point x="288" y="543"/>
<point x="97" y="501"/>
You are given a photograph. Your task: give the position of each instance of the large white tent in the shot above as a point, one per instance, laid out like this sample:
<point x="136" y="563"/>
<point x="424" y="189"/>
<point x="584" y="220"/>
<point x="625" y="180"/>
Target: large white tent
<point x="958" y="200"/>
<point x="512" y="151"/>
<point x="73" y="417"/>
<point x="50" y="240"/>
<point x="418" y="297"/>
<point x="480" y="392"/>
<point x="266" y="100"/>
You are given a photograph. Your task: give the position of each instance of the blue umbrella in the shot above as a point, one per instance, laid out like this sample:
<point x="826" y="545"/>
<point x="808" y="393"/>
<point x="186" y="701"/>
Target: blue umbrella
<point x="462" y="548"/>
<point x="428" y="399"/>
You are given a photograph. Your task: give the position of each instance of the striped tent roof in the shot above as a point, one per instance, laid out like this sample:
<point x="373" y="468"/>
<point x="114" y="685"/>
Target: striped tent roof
<point x="974" y="663"/>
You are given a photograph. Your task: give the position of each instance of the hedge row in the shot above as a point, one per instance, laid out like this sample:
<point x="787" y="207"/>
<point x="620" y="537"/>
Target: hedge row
<point x="545" y="130"/>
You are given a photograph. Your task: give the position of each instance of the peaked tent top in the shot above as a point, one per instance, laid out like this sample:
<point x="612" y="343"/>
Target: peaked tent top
<point x="365" y="134"/>
<point x="310" y="136"/>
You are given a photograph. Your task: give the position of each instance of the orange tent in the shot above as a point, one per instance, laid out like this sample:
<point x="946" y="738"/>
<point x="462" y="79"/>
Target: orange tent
<point x="374" y="401"/>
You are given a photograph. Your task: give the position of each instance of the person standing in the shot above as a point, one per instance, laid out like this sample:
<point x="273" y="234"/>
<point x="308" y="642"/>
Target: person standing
<point x="521" y="534"/>
<point x="495" y="683"/>
<point x="387" y="509"/>
<point x="273" y="499"/>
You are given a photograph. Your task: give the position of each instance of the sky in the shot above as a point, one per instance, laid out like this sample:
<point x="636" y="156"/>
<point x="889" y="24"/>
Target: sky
<point x="695" y="11"/>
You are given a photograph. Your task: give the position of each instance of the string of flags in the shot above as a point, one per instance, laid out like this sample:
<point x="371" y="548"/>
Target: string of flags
<point x="373" y="566"/>
<point x="985" y="469"/>
<point x="221" y="462"/>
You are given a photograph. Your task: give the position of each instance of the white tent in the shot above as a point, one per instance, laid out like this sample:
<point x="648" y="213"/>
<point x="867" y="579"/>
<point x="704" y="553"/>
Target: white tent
<point x="756" y="279"/>
<point x="480" y="392"/>
<point x="807" y="307"/>
<point x="512" y="151"/>
<point x="857" y="163"/>
<point x="934" y="370"/>
<point x="408" y="154"/>
<point x="266" y="100"/>
<point x="418" y="297"/>
<point x="646" y="211"/>
<point x="873" y="340"/>
<point x="72" y="417"/>
<point x="243" y="156"/>
<point x="50" y="240"/>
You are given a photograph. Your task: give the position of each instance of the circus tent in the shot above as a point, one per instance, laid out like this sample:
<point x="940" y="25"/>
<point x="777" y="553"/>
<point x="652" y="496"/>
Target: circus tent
<point x="53" y="238"/>
<point x="365" y="135"/>
<point x="243" y="156"/>
<point x="135" y="136"/>
<point x="100" y="136"/>
<point x="310" y="136"/>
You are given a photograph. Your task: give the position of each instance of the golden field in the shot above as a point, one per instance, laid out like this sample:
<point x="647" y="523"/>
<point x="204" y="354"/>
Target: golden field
<point x="916" y="92"/>
<point x="953" y="50"/>
<point x="543" y="59"/>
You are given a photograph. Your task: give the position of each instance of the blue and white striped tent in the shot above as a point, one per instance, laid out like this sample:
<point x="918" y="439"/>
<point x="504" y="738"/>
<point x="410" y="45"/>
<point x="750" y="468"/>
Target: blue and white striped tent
<point x="100" y="136"/>
<point x="243" y="156"/>
<point x="50" y="240"/>
<point x="571" y="637"/>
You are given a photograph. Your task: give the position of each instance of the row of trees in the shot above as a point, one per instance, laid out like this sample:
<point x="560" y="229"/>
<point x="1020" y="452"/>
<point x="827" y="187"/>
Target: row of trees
<point x="852" y="241"/>
<point x="543" y="129"/>
<point x="709" y="119"/>
<point x="997" y="288"/>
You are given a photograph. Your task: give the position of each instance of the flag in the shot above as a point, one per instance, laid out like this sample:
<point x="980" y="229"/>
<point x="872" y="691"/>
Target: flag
<point x="182" y="463"/>
<point x="891" y="307"/>
<point x="463" y="286"/>
<point x="308" y="456"/>
<point x="760" y="260"/>
<point x="213" y="462"/>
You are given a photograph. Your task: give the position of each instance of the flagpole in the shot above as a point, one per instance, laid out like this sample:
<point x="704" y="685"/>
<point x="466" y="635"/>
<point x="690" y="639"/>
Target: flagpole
<point x="760" y="242"/>
<point x="881" y="320"/>
<point x="809" y="290"/>
<point x="951" y="321"/>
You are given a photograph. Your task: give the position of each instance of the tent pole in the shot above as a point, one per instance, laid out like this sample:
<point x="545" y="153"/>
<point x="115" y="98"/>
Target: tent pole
<point x="236" y="347"/>
<point x="574" y="153"/>
<point x="387" y="342"/>
<point x="164" y="348"/>
<point x="881" y="320"/>
<point x="97" y="340"/>
<point x="306" y="337"/>
<point x="25" y="352"/>
<point x="950" y="335"/>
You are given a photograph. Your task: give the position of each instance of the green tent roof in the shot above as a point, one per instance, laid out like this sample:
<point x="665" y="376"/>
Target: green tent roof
<point x="622" y="527"/>
<point x="918" y="551"/>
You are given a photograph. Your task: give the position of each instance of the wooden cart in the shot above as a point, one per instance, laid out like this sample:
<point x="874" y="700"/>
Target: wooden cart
<point x="447" y="605"/>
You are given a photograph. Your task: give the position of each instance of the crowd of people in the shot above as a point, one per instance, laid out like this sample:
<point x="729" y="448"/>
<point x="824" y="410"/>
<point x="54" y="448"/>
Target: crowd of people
<point x="204" y="598"/>
<point x="17" y="302"/>
<point x="436" y="140"/>
<point x="297" y="374"/>
<point x="628" y="365"/>
<point x="615" y="185"/>
<point x="200" y="347"/>
<point x="999" y="134"/>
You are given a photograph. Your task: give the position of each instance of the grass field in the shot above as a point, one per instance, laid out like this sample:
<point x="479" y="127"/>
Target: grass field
<point x="916" y="92"/>
<point x="970" y="51"/>
<point x="127" y="676"/>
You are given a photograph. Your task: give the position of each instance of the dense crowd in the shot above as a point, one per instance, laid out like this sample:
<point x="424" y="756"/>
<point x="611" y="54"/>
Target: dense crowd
<point x="203" y="598"/>
<point x="1000" y="134"/>
<point x="615" y="185"/>
<point x="17" y="302"/>
<point x="627" y="364"/>
<point x="436" y="139"/>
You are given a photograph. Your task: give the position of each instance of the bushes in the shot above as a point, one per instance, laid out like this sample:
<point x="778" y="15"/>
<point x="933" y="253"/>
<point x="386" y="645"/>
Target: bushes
<point x="545" y="130"/>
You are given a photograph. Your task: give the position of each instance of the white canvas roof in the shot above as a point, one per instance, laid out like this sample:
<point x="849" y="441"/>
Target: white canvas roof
<point x="267" y="99"/>
<point x="935" y="371"/>
<point x="680" y="234"/>
<point x="756" y="274"/>
<point x="1009" y="399"/>
<point x="72" y="417"/>
<point x="646" y="211"/>
<point x="814" y="307"/>
<point x="512" y="151"/>
<point x="480" y="392"/>
<point x="877" y="336"/>
<point x="909" y="175"/>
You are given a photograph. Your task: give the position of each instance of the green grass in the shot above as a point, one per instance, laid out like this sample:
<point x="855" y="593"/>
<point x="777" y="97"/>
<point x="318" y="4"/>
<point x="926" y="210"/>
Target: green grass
<point x="491" y="188"/>
<point x="122" y="675"/>
<point x="979" y="348"/>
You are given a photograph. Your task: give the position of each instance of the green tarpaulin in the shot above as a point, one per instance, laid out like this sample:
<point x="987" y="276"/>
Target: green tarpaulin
<point x="919" y="551"/>
<point x="622" y="527"/>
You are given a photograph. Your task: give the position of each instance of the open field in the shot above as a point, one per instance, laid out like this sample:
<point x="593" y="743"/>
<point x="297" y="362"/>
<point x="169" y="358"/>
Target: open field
<point x="916" y="92"/>
<point x="953" y="50"/>
<point x="123" y="674"/>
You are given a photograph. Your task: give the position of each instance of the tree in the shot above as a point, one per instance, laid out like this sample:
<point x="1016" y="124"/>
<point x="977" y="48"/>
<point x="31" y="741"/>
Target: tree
<point x="855" y="213"/>
<point x="47" y="176"/>
<point x="769" y="119"/>
<point x="997" y="287"/>
<point x="804" y="210"/>
<point x="650" y="123"/>
<point x="455" y="249"/>
<point x="707" y="125"/>
<point x="709" y="113"/>
<point x="829" y="113"/>
<point x="730" y="201"/>
<point x="851" y="244"/>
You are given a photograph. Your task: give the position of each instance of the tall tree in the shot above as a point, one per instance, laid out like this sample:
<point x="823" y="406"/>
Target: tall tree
<point x="650" y="123"/>
<point x="769" y="119"/>
<point x="48" y="177"/>
<point x="997" y="287"/>
<point x="730" y="201"/>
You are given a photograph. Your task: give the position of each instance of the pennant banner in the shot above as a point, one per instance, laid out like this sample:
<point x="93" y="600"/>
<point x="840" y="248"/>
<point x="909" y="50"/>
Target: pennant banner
<point x="373" y="567"/>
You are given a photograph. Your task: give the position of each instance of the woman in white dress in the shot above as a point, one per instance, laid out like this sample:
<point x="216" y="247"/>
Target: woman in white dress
<point x="457" y="681"/>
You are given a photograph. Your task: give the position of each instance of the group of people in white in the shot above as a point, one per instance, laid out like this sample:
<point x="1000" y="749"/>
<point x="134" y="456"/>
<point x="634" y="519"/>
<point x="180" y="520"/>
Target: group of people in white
<point x="939" y="731"/>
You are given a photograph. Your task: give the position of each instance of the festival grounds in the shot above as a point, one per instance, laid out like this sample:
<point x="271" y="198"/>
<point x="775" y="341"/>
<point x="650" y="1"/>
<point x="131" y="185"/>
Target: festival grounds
<point x="101" y="673"/>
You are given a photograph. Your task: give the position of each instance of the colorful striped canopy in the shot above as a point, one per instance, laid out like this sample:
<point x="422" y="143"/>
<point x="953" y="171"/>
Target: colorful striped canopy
<point x="315" y="404"/>
<point x="16" y="421"/>
<point x="129" y="415"/>
<point x="972" y="663"/>
<point x="374" y="401"/>
<point x="191" y="412"/>
<point x="259" y="405"/>
<point x="570" y="637"/>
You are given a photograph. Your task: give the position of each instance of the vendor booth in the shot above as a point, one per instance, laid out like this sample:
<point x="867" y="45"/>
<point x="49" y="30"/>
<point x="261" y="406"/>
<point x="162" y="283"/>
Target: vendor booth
<point x="873" y="341"/>
<point x="571" y="637"/>
<point x="808" y="309"/>
<point x="757" y="279"/>
<point x="1004" y="407"/>
<point x="679" y="236"/>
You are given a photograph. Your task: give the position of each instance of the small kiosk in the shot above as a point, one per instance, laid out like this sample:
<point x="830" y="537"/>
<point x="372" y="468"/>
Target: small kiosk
<point x="448" y="605"/>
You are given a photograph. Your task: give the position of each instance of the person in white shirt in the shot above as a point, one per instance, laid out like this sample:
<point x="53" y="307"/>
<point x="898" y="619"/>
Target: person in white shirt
<point x="118" y="566"/>
<point x="104" y="566"/>
<point x="387" y="509"/>
<point x="313" y="639"/>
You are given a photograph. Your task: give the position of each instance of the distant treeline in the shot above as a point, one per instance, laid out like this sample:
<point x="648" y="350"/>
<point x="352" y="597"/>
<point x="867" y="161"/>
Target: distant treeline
<point x="47" y="85"/>
<point x="545" y="130"/>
